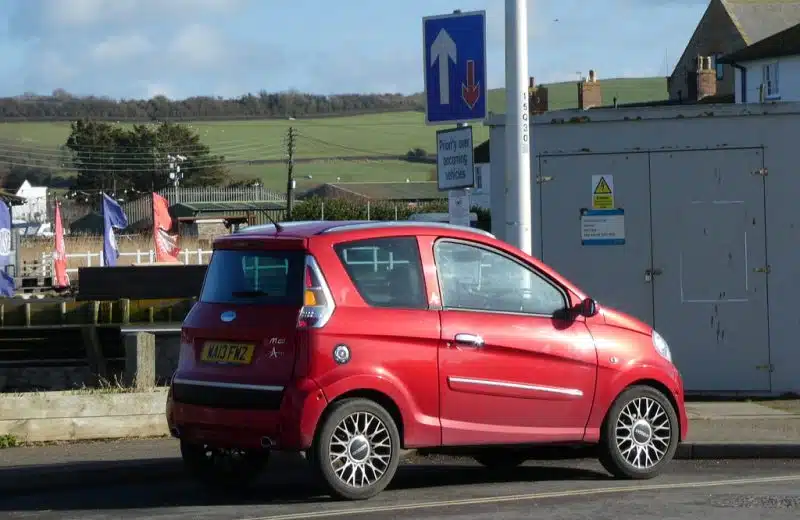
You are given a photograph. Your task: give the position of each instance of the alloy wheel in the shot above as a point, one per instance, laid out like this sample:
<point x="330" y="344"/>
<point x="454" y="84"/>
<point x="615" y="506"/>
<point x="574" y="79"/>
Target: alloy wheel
<point x="643" y="433"/>
<point x="360" y="449"/>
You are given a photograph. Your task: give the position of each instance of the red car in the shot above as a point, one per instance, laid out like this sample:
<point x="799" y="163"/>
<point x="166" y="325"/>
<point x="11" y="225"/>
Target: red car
<point x="350" y="341"/>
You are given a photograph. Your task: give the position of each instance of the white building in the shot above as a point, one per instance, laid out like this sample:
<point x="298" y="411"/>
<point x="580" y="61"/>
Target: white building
<point x="480" y="194"/>
<point x="32" y="217"/>
<point x="768" y="70"/>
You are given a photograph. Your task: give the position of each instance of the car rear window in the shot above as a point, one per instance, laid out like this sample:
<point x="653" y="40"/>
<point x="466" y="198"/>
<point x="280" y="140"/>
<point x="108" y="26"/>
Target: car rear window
<point x="387" y="272"/>
<point x="254" y="277"/>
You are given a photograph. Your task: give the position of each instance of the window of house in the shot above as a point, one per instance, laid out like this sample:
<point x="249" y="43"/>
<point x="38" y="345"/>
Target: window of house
<point x="387" y="272"/>
<point x="769" y="80"/>
<point x="475" y="278"/>
<point x="478" y="178"/>
<point x="719" y="67"/>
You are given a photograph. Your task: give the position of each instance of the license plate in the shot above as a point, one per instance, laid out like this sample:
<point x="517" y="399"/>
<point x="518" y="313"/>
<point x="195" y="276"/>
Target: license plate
<point x="227" y="353"/>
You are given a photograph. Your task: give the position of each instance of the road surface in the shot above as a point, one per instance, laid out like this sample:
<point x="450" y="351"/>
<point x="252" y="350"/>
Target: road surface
<point x="450" y="488"/>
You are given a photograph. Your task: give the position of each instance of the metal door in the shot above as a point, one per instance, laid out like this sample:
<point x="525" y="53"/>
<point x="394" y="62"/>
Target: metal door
<point x="709" y="245"/>
<point x="612" y="274"/>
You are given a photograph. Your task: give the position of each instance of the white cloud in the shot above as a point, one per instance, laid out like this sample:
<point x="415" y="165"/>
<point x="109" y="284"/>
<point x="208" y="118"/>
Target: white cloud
<point x="122" y="47"/>
<point x="198" y="46"/>
<point x="73" y="13"/>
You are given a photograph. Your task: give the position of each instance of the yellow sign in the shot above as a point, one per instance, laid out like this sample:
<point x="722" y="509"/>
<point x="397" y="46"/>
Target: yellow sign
<point x="602" y="192"/>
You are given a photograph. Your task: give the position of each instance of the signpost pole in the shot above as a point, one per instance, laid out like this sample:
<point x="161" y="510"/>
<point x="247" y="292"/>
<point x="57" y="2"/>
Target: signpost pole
<point x="518" y="142"/>
<point x="465" y="191"/>
<point x="454" y="59"/>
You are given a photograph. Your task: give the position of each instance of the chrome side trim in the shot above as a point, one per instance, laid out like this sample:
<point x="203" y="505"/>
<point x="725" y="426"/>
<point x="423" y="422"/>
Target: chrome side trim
<point x="236" y="386"/>
<point x="519" y="386"/>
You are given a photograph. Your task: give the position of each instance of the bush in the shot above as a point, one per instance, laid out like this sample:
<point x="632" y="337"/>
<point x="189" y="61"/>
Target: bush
<point x="317" y="208"/>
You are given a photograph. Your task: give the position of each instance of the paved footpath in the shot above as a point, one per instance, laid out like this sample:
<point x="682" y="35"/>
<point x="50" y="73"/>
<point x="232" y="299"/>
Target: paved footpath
<point x="718" y="431"/>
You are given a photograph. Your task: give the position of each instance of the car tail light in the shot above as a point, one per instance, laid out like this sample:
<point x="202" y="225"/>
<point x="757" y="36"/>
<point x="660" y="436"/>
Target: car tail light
<point x="318" y="303"/>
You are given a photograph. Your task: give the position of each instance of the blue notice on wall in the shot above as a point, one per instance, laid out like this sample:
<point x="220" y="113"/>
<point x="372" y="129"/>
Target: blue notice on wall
<point x="602" y="227"/>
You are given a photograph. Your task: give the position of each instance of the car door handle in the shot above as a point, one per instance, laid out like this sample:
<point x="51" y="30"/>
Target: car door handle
<point x="472" y="340"/>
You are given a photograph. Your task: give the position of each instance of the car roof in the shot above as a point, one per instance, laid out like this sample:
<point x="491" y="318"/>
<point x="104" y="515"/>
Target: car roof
<point x="308" y="229"/>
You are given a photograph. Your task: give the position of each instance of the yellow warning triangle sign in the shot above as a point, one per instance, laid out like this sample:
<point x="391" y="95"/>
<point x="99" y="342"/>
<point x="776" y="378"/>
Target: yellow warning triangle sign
<point x="602" y="187"/>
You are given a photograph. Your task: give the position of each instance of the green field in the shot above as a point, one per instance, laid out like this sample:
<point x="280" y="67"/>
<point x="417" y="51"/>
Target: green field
<point x="376" y="135"/>
<point x="319" y="172"/>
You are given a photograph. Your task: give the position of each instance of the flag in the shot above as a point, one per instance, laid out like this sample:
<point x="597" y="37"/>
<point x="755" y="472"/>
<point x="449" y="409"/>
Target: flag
<point x="6" y="281"/>
<point x="113" y="217"/>
<point x="60" y="253"/>
<point x="166" y="244"/>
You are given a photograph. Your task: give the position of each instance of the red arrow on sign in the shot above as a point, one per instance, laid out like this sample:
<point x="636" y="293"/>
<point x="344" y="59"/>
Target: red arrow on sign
<point x="471" y="91"/>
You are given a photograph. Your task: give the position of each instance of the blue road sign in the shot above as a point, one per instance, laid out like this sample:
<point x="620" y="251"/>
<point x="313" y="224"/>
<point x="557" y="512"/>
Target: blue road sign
<point x="455" y="67"/>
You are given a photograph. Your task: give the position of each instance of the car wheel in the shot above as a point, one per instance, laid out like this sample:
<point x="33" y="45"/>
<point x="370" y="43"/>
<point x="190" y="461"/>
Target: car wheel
<point x="500" y="459"/>
<point x="357" y="449"/>
<point x="640" y="434"/>
<point x="223" y="469"/>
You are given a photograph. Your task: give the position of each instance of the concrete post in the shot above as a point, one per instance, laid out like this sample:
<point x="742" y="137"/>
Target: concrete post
<point x="140" y="361"/>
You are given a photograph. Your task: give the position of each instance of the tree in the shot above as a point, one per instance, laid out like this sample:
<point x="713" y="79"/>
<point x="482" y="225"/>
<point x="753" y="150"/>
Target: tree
<point x="114" y="158"/>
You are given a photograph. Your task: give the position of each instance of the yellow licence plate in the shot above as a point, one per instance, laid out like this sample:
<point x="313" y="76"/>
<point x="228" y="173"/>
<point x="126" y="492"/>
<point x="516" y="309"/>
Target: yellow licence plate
<point x="230" y="353"/>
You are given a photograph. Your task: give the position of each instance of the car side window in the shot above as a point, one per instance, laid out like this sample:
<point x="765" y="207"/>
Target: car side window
<point x="476" y="278"/>
<point x="387" y="272"/>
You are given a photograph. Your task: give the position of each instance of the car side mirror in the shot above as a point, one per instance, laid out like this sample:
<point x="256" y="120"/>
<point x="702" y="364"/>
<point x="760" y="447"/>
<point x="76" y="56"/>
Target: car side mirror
<point x="587" y="308"/>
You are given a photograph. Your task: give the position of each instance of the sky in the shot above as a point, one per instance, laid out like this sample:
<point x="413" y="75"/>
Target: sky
<point x="181" y="48"/>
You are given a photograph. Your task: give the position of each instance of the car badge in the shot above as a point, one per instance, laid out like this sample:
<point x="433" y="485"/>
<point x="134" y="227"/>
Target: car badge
<point x="227" y="316"/>
<point x="274" y="353"/>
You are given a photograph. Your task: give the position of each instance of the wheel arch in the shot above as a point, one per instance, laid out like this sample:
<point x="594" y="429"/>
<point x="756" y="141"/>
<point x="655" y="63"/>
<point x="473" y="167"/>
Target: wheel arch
<point x="382" y="399"/>
<point x="655" y="385"/>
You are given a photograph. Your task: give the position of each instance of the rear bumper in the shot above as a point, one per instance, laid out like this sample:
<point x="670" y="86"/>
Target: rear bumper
<point x="289" y="424"/>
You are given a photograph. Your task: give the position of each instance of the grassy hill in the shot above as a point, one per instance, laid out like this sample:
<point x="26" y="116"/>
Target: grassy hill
<point x="564" y="95"/>
<point x="356" y="148"/>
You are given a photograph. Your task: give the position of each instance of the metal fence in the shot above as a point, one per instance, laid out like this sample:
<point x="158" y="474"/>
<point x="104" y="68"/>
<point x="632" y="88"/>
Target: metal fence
<point x="93" y="258"/>
<point x="141" y="209"/>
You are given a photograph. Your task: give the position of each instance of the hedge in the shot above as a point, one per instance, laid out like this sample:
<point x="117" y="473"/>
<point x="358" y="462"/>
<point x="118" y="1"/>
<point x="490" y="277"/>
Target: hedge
<point x="317" y="208"/>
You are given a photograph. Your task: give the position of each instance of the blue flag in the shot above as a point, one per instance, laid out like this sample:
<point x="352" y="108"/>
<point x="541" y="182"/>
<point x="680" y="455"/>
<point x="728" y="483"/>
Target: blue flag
<point x="113" y="217"/>
<point x="6" y="281"/>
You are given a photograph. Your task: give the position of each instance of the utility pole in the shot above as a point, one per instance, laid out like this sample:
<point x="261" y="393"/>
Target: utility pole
<point x="290" y="173"/>
<point x="175" y="174"/>
<point x="517" y="133"/>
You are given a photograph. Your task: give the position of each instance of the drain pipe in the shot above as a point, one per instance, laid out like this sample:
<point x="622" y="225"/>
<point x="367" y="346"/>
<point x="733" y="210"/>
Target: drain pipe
<point x="743" y="81"/>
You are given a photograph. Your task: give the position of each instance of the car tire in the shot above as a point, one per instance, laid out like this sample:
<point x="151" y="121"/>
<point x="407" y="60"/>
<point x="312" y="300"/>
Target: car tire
<point x="223" y="470"/>
<point x="640" y="434"/>
<point x="353" y="433"/>
<point x="500" y="459"/>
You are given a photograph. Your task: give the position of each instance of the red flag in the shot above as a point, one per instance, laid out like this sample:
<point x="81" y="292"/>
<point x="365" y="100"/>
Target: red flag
<point x="166" y="244"/>
<point x="60" y="253"/>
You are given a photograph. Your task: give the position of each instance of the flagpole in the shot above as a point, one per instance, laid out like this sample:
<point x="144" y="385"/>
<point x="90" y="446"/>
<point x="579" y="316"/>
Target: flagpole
<point x="153" y="219"/>
<point x="103" y="214"/>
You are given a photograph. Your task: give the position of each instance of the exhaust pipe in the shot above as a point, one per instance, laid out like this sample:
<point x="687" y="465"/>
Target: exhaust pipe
<point x="266" y="443"/>
<point x="175" y="432"/>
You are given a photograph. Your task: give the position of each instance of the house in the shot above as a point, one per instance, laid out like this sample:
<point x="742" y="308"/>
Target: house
<point x="726" y="26"/>
<point x="768" y="70"/>
<point x="31" y="217"/>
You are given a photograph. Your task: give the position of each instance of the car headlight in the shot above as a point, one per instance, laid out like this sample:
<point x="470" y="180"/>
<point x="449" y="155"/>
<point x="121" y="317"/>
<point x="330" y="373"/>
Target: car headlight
<point x="661" y="346"/>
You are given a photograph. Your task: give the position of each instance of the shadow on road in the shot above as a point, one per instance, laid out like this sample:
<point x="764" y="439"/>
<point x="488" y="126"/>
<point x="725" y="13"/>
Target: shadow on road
<point x="281" y="487"/>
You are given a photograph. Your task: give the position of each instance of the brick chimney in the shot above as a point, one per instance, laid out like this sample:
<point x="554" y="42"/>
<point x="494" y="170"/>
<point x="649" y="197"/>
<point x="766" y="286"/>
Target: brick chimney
<point x="589" y="93"/>
<point x="706" y="78"/>
<point x="537" y="98"/>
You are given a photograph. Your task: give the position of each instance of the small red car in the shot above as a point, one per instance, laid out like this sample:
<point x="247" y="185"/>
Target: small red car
<point x="350" y="341"/>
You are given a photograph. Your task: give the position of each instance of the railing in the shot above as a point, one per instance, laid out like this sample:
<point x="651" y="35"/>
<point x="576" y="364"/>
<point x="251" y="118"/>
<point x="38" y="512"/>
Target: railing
<point x="91" y="258"/>
<point x="142" y="208"/>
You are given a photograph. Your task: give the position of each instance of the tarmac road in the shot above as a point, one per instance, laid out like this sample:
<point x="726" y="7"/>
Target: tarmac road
<point x="457" y="488"/>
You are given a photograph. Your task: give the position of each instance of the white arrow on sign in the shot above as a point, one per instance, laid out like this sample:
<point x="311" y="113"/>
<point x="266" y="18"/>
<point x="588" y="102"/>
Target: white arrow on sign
<point x="443" y="47"/>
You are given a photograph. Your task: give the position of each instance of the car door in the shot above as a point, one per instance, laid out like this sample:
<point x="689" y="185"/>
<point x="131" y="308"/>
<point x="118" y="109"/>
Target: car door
<point x="513" y="367"/>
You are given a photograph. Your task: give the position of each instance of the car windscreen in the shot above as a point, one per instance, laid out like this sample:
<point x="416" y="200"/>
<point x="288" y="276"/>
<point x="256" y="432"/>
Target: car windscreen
<point x="254" y="277"/>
